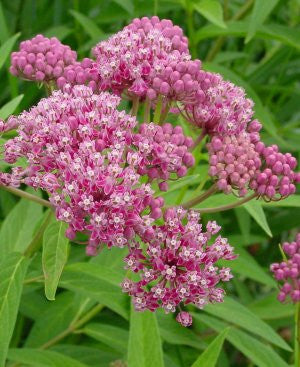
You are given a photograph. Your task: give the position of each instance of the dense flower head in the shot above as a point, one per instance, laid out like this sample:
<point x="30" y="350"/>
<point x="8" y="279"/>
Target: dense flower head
<point x="176" y="264"/>
<point x="176" y="81"/>
<point x="287" y="273"/>
<point x="234" y="161"/>
<point x="276" y="178"/>
<point x="80" y="72"/>
<point x="221" y="107"/>
<point x="164" y="150"/>
<point x="129" y="60"/>
<point x="78" y="149"/>
<point x="242" y="162"/>
<point x="41" y="59"/>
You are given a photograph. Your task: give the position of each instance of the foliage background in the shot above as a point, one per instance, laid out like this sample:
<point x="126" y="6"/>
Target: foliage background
<point x="254" y="43"/>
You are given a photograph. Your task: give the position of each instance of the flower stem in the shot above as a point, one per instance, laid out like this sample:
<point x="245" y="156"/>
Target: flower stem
<point x="227" y="207"/>
<point x="189" y="204"/>
<point x="26" y="195"/>
<point x="135" y="106"/>
<point x="147" y="107"/>
<point x="297" y="335"/>
<point x="158" y="109"/>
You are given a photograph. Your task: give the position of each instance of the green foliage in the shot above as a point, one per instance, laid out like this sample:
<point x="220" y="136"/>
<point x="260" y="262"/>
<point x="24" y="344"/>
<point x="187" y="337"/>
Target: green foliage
<point x="256" y="45"/>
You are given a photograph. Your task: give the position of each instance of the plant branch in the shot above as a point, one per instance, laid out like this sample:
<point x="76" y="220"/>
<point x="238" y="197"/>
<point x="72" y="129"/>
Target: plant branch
<point x="189" y="204"/>
<point x="135" y="106"/>
<point x="26" y="195"/>
<point x="297" y="335"/>
<point x="147" y="108"/>
<point x="227" y="207"/>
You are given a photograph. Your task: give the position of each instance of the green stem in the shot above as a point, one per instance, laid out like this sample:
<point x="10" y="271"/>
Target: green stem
<point x="73" y="326"/>
<point x="216" y="47"/>
<point x="191" y="203"/>
<point x="297" y="335"/>
<point x="164" y="113"/>
<point x="135" y="106"/>
<point x="227" y="207"/>
<point x="191" y="28"/>
<point x="147" y="109"/>
<point x="158" y="109"/>
<point x="36" y="242"/>
<point x="33" y="280"/>
<point x="26" y="195"/>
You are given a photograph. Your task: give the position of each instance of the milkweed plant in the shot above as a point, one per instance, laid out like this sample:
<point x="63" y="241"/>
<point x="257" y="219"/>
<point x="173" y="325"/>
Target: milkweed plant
<point x="99" y="153"/>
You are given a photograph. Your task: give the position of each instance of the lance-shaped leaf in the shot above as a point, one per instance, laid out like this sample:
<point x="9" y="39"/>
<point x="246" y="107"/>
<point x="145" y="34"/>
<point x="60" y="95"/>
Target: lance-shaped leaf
<point x="12" y="272"/>
<point x="55" y="255"/>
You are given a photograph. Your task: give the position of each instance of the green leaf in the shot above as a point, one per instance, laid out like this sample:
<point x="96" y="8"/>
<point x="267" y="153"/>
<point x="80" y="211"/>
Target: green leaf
<point x="287" y="35"/>
<point x="262" y="355"/>
<point x="57" y="316"/>
<point x="87" y="24"/>
<point x="210" y="356"/>
<point x="60" y="31"/>
<point x="13" y="268"/>
<point x="6" y="48"/>
<point x="290" y="202"/>
<point x="18" y="227"/>
<point x="55" y="256"/>
<point x="101" y="283"/>
<point x="260" y="12"/>
<point x="42" y="358"/>
<point x="235" y="313"/>
<point x="126" y="5"/>
<point x="10" y="107"/>
<point x="269" y="308"/>
<point x="173" y="333"/>
<point x="211" y="10"/>
<point x="247" y="266"/>
<point x="255" y="209"/>
<point x="144" y="344"/>
<point x="114" y="337"/>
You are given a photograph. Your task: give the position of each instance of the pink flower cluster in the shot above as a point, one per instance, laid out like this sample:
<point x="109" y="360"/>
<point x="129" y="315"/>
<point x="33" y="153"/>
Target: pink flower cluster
<point x="164" y="150"/>
<point x="41" y="59"/>
<point x="288" y="272"/>
<point x="81" y="150"/>
<point x="177" y="265"/>
<point x="242" y="162"/>
<point x="129" y="60"/>
<point x="221" y="107"/>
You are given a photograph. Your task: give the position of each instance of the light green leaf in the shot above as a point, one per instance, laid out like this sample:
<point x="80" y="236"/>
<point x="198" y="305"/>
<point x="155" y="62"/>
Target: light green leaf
<point x="211" y="10"/>
<point x="114" y="337"/>
<point x="18" y="227"/>
<point x="13" y="268"/>
<point x="55" y="255"/>
<point x="87" y="24"/>
<point x="6" y="48"/>
<point x="255" y="209"/>
<point x="269" y="308"/>
<point x="126" y="5"/>
<point x="247" y="266"/>
<point x="173" y="333"/>
<point x="260" y="354"/>
<point x="144" y="344"/>
<point x="42" y="358"/>
<point x="287" y="35"/>
<point x="10" y="107"/>
<point x="260" y="12"/>
<point x="101" y="283"/>
<point x="235" y="313"/>
<point x="290" y="202"/>
<point x="210" y="356"/>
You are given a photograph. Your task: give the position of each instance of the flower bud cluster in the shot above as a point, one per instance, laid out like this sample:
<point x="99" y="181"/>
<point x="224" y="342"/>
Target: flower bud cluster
<point x="41" y="59"/>
<point x="176" y="265"/>
<point x="287" y="273"/>
<point x="164" y="150"/>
